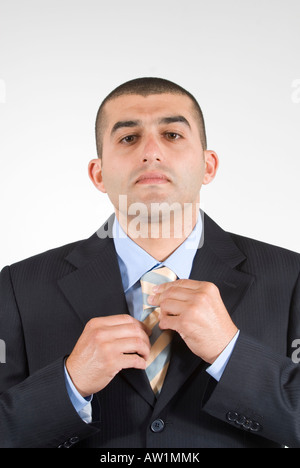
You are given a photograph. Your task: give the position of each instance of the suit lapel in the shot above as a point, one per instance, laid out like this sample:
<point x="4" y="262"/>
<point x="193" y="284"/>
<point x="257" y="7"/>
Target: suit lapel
<point x="214" y="262"/>
<point x="95" y="289"/>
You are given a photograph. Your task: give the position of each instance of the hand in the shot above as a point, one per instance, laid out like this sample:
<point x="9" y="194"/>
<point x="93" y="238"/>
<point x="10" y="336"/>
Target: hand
<point x="196" y="311"/>
<point x="107" y="345"/>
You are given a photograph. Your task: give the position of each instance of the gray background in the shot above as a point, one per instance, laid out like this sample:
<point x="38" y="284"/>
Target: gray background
<point x="59" y="59"/>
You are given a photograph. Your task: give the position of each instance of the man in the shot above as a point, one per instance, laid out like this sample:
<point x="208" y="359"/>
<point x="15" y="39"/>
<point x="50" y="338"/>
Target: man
<point x="77" y="320"/>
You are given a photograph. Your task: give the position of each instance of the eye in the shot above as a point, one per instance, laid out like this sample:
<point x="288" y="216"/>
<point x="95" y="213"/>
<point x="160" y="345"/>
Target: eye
<point x="172" y="135"/>
<point x="128" y="139"/>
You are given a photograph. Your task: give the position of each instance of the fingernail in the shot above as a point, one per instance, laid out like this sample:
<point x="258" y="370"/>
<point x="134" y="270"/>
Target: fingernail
<point x="155" y="288"/>
<point x="150" y="299"/>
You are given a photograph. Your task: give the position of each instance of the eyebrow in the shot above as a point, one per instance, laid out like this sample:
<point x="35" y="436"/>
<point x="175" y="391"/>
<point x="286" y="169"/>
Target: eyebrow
<point x="174" y="119"/>
<point x="125" y="123"/>
<point x="136" y="123"/>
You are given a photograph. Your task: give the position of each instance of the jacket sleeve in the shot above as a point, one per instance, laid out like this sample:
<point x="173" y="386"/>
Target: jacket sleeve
<point x="259" y="390"/>
<point x="35" y="410"/>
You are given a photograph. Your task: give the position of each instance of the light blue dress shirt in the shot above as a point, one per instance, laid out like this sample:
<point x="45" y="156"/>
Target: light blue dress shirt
<point x="133" y="263"/>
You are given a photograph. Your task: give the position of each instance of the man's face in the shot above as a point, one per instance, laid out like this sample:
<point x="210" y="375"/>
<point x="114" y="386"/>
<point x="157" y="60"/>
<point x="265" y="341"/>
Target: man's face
<point x="152" y="151"/>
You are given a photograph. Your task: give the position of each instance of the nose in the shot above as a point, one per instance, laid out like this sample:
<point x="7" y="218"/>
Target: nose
<point x="151" y="150"/>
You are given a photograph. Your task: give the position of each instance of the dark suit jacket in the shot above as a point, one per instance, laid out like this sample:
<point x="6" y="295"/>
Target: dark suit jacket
<point x="46" y="301"/>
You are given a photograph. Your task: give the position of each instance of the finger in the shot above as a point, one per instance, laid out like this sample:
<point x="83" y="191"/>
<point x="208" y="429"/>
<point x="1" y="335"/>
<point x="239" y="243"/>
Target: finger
<point x="179" y="293"/>
<point x="185" y="283"/>
<point x="110" y="320"/>
<point x="170" y="322"/>
<point x="111" y="335"/>
<point x="171" y="307"/>
<point x="122" y="320"/>
<point x="136" y="328"/>
<point x="129" y="361"/>
<point x="132" y="346"/>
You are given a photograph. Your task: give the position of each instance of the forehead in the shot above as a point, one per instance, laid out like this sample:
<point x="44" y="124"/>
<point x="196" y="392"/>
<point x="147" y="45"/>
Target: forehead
<point x="148" y="108"/>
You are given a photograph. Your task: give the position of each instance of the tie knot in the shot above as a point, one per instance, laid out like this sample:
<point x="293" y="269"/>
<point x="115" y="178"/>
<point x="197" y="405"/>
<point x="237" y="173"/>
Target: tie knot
<point x="159" y="276"/>
<point x="155" y="277"/>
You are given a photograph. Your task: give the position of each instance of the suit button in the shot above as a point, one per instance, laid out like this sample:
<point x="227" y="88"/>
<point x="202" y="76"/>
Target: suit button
<point x="68" y="443"/>
<point x="157" y="425"/>
<point x="74" y="440"/>
<point x="240" y="420"/>
<point x="232" y="416"/>
<point x="247" y="424"/>
<point x="255" y="426"/>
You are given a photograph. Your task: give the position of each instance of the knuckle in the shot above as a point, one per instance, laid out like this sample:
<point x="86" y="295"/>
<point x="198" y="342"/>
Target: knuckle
<point x="205" y="295"/>
<point x="138" y="341"/>
<point x="178" y="282"/>
<point x="193" y="309"/>
<point x="98" y="336"/>
<point x="204" y="298"/>
<point x="165" y="301"/>
<point x="128" y="318"/>
<point x="162" y="320"/>
<point x="136" y="327"/>
<point x="135" y="360"/>
<point x="107" y="355"/>
<point x="166" y="306"/>
<point x="91" y="324"/>
<point x="210" y="288"/>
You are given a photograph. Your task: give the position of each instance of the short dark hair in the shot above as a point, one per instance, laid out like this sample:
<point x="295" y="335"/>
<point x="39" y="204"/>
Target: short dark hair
<point x="145" y="87"/>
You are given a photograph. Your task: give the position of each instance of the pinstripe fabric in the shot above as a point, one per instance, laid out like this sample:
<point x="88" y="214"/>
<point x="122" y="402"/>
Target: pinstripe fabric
<point x="46" y="300"/>
<point x="160" y="340"/>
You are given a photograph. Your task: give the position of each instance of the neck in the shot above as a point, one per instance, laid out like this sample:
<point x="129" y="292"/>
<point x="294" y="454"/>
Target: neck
<point x="160" y="236"/>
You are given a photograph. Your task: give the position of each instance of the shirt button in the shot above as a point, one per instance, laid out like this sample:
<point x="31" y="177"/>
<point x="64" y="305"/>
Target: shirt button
<point x="157" y="425"/>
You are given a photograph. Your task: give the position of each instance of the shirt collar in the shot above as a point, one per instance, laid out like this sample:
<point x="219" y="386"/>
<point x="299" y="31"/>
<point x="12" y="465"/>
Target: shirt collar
<point x="135" y="261"/>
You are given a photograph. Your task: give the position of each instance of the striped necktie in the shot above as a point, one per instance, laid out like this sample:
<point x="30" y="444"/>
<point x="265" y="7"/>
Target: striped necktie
<point x="160" y="340"/>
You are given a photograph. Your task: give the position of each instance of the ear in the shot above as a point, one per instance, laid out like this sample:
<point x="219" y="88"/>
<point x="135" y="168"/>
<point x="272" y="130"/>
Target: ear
<point x="95" y="174"/>
<point x="211" y="166"/>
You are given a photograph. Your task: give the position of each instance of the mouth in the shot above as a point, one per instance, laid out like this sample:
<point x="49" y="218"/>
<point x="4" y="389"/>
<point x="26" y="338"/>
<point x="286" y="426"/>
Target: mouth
<point x="152" y="178"/>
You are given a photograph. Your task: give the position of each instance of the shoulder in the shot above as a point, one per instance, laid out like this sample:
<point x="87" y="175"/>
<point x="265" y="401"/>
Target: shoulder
<point x="268" y="255"/>
<point x="58" y="262"/>
<point x="46" y="263"/>
<point x="254" y="251"/>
